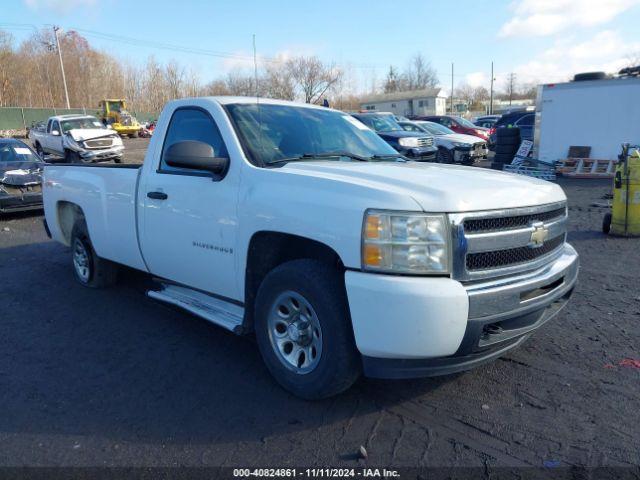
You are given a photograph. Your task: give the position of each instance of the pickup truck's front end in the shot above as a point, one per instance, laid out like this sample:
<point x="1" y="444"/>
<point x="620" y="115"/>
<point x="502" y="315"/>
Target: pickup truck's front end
<point x="458" y="289"/>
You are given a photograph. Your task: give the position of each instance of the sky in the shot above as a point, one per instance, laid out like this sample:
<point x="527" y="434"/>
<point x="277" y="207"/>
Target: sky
<point x="541" y="41"/>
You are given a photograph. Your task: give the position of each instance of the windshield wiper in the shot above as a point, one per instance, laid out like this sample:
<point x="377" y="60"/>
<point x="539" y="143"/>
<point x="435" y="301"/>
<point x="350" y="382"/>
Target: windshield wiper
<point x="317" y="156"/>
<point x="387" y="156"/>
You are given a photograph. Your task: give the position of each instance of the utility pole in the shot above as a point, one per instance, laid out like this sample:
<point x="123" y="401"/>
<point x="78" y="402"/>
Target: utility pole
<point x="64" y="79"/>
<point x="451" y="88"/>
<point x="512" y="80"/>
<point x="491" y="94"/>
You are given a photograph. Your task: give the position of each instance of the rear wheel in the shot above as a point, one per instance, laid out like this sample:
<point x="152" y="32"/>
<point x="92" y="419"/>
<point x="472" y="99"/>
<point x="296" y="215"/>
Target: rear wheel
<point x="40" y="151"/>
<point x="606" y="223"/>
<point x="304" y="331"/>
<point x="90" y="270"/>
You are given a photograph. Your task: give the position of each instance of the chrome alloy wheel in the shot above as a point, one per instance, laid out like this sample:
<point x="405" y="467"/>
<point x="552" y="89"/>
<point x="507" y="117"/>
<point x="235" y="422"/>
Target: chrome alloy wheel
<point x="81" y="260"/>
<point x="294" y="332"/>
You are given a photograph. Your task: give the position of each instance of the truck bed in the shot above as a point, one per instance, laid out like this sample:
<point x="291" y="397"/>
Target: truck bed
<point x="106" y="194"/>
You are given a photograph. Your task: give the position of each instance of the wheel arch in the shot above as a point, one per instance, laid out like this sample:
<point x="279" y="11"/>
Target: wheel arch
<point x="267" y="250"/>
<point x="67" y="214"/>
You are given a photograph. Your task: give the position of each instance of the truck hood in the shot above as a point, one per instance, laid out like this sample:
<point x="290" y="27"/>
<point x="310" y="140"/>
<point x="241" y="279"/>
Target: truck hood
<point x="438" y="188"/>
<point x="460" y="137"/>
<point x="80" y="134"/>
<point x="20" y="174"/>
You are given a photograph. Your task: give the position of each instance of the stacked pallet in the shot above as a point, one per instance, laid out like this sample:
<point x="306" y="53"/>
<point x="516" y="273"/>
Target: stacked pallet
<point x="586" y="167"/>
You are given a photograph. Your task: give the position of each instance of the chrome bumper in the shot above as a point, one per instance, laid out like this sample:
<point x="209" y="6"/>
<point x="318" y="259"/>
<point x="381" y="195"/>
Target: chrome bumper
<point x="504" y="298"/>
<point x="103" y="154"/>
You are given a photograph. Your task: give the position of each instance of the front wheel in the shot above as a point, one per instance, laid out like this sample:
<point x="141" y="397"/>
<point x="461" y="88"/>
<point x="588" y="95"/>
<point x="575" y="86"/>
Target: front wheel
<point x="303" y="329"/>
<point x="444" y="156"/>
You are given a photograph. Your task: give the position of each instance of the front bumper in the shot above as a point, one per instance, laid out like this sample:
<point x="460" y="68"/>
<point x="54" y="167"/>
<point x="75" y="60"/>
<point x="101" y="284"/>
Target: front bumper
<point x="425" y="154"/>
<point x="469" y="155"/>
<point x="424" y="326"/>
<point x="102" y="155"/>
<point x="20" y="203"/>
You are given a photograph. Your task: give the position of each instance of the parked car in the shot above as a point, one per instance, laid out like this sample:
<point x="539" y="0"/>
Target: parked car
<point x="299" y="224"/>
<point x="452" y="147"/>
<point x="486" y="121"/>
<point x="523" y="119"/>
<point x="417" y="146"/>
<point x="77" y="139"/>
<point x="458" y="125"/>
<point x="20" y="177"/>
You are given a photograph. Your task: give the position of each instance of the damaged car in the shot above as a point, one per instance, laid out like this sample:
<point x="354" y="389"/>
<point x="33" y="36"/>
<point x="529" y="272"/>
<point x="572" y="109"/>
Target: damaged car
<point x="20" y="177"/>
<point x="77" y="139"/>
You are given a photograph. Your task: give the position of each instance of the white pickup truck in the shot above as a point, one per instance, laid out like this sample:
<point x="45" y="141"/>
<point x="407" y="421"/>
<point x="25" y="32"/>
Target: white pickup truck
<point x="300" y="224"/>
<point x="77" y="139"/>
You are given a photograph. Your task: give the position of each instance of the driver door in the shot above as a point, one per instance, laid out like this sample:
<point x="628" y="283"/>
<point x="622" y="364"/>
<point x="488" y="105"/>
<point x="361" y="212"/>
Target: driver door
<point x="189" y="229"/>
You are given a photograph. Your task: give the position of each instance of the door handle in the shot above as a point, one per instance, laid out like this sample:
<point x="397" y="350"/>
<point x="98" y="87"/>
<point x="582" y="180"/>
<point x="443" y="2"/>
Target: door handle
<point x="157" y="195"/>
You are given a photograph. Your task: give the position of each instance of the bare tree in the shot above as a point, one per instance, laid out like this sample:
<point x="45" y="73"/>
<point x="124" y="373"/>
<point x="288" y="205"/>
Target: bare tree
<point x="278" y="82"/>
<point x="419" y="74"/>
<point x="393" y="82"/>
<point x="312" y="77"/>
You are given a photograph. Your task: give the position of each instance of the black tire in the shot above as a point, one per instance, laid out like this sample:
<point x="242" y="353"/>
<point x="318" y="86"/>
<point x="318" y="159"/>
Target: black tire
<point x="117" y="160"/>
<point x="101" y="273"/>
<point x="506" y="149"/>
<point x="579" y="77"/>
<point x="507" y="132"/>
<point x="72" y="157"/>
<point x="39" y="150"/>
<point x="444" y="155"/>
<point x="503" y="158"/>
<point x="606" y="223"/>
<point x="322" y="287"/>
<point x="135" y="135"/>
<point x="515" y="140"/>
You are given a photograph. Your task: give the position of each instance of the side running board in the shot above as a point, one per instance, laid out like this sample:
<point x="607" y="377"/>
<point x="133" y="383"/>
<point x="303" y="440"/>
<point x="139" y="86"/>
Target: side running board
<point x="225" y="314"/>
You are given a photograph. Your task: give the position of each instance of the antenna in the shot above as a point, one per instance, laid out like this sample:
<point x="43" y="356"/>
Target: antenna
<point x="255" y="67"/>
<point x="255" y="73"/>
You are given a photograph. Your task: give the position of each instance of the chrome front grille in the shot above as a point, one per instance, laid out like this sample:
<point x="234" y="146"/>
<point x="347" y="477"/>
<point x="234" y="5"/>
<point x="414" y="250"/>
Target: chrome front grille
<point x="504" y="242"/>
<point x="425" y="141"/>
<point x="99" y="143"/>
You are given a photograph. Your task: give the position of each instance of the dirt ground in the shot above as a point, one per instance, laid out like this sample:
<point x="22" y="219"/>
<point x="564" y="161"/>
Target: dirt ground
<point x="110" y="377"/>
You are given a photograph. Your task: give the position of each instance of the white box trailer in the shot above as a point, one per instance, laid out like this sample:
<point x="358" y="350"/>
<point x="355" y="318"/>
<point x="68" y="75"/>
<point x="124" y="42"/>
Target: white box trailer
<point x="601" y="114"/>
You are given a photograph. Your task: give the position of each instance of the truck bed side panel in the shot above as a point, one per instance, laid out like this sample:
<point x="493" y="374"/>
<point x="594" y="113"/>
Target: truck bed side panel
<point x="107" y="196"/>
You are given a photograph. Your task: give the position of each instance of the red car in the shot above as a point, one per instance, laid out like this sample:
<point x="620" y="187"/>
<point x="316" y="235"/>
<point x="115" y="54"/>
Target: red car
<point x="458" y="125"/>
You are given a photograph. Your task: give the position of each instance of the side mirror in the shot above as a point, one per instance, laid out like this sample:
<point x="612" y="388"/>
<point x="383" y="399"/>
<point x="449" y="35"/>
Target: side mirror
<point x="55" y="133"/>
<point x="196" y="156"/>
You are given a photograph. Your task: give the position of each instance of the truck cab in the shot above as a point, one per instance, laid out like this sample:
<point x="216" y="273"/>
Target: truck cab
<point x="301" y="225"/>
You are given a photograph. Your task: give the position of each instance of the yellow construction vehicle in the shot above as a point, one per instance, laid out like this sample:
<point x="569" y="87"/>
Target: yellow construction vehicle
<point x="624" y="218"/>
<point x="114" y="112"/>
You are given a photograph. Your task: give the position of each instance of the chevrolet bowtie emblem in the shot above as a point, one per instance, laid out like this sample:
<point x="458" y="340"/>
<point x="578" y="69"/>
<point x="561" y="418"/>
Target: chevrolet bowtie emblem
<point x="539" y="235"/>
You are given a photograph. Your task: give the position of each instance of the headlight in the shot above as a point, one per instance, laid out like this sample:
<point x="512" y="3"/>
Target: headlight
<point x="405" y="243"/>
<point x="462" y="144"/>
<point x="408" y="142"/>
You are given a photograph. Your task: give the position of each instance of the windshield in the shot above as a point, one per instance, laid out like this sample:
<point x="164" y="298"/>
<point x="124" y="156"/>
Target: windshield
<point x="272" y="133"/>
<point x="17" y="152"/>
<point x="435" y="128"/>
<point x="80" y="123"/>
<point x="465" y="123"/>
<point x="380" y="123"/>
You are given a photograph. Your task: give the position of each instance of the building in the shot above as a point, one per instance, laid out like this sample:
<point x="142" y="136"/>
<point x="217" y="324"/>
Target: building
<point x="430" y="101"/>
<point x="600" y="114"/>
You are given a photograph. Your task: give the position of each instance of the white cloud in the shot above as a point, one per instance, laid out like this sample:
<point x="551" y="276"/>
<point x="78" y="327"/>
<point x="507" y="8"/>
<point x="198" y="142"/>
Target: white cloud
<point x="547" y="17"/>
<point x="605" y="51"/>
<point x="59" y="6"/>
<point x="476" y="79"/>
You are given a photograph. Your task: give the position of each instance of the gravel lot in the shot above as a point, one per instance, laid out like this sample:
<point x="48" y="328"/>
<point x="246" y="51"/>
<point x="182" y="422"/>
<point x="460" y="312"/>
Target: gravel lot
<point x="110" y="377"/>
